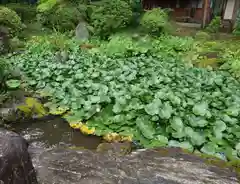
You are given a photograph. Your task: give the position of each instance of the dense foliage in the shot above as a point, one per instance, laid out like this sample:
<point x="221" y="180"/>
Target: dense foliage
<point x="157" y="99"/>
<point x="215" y="24"/>
<point x="109" y="16"/>
<point x="154" y="21"/>
<point x="25" y="11"/>
<point x="10" y="20"/>
<point x="61" y="18"/>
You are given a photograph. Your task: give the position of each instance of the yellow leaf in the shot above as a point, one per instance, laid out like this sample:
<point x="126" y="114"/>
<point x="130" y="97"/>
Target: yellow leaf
<point x="25" y="109"/>
<point x="75" y="125"/>
<point x="115" y="137"/>
<point x="83" y="128"/>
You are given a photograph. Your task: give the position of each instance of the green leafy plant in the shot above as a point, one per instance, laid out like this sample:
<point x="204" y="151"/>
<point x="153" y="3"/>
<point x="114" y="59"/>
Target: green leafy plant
<point x="214" y="25"/>
<point x="13" y="84"/>
<point x="10" y="20"/>
<point x="108" y="16"/>
<point x="25" y="11"/>
<point x="46" y="5"/>
<point x="122" y="45"/>
<point x="155" y="98"/>
<point x="154" y="21"/>
<point x="61" y="18"/>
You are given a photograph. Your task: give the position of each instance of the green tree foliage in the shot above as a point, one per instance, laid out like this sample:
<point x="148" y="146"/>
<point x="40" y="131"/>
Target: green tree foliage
<point x="25" y="11"/>
<point x="109" y="16"/>
<point x="62" y="18"/>
<point x="46" y="5"/>
<point x="154" y="21"/>
<point x="10" y="20"/>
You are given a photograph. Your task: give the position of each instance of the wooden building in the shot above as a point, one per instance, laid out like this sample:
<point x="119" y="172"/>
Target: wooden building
<point x="197" y="11"/>
<point x="183" y="10"/>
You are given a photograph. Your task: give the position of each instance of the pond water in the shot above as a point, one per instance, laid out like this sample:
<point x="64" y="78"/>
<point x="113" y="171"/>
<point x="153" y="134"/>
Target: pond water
<point x="55" y="132"/>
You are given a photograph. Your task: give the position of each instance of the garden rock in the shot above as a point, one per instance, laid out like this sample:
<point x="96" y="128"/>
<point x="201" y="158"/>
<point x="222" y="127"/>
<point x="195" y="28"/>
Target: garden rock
<point x="153" y="166"/>
<point x="15" y="163"/>
<point x="82" y="32"/>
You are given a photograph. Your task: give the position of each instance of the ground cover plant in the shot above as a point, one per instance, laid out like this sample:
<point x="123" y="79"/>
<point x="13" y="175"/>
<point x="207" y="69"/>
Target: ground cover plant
<point x="149" y="94"/>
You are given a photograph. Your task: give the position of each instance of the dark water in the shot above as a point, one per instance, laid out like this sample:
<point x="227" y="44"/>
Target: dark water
<point x="56" y="132"/>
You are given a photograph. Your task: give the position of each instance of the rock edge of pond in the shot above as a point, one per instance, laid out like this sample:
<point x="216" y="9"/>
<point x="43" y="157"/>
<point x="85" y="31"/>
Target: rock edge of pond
<point x="66" y="166"/>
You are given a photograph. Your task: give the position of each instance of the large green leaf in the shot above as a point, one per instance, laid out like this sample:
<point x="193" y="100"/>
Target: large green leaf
<point x="13" y="83"/>
<point x="154" y="107"/>
<point x="166" y="111"/>
<point x="200" y="108"/>
<point x="146" y="127"/>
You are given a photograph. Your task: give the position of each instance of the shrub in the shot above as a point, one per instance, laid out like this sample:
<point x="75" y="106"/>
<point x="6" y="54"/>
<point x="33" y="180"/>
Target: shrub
<point x="214" y="25"/>
<point x="201" y="35"/>
<point x="154" y="21"/>
<point x="46" y="5"/>
<point x="25" y="11"/>
<point x="109" y="16"/>
<point x="10" y="20"/>
<point x="61" y="18"/>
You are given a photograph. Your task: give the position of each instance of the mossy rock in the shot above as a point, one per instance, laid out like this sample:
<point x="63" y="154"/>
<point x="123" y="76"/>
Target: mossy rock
<point x="117" y="149"/>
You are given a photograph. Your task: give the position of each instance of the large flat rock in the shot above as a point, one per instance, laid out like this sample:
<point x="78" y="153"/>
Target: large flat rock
<point x="15" y="162"/>
<point x="155" y="166"/>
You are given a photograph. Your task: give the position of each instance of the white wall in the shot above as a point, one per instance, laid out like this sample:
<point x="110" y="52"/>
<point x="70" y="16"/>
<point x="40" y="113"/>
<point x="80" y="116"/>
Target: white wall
<point x="228" y="14"/>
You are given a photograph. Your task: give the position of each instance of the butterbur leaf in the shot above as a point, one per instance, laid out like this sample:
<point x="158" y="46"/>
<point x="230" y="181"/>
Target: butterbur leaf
<point x="219" y="126"/>
<point x="233" y="111"/>
<point x="117" y="108"/>
<point x="230" y="153"/>
<point x="200" y="109"/>
<point x="155" y="118"/>
<point x="179" y="134"/>
<point x="13" y="83"/>
<point x="146" y="127"/>
<point x="237" y="147"/>
<point x="154" y="107"/>
<point x="177" y="124"/>
<point x="175" y="100"/>
<point x="173" y="143"/>
<point x="166" y="111"/>
<point x="159" y="141"/>
<point x="209" y="148"/>
<point x="162" y="139"/>
<point x="94" y="99"/>
<point x="186" y="145"/>
<point x="195" y="137"/>
<point x="198" y="122"/>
